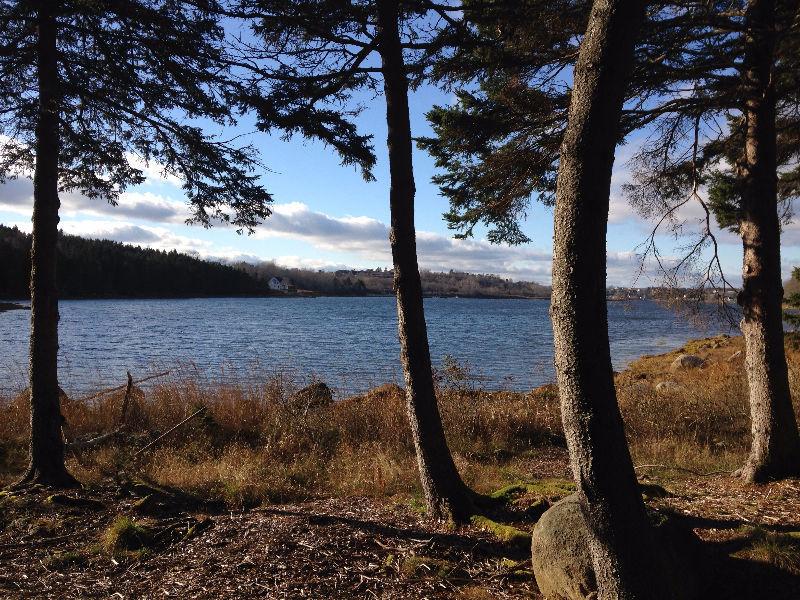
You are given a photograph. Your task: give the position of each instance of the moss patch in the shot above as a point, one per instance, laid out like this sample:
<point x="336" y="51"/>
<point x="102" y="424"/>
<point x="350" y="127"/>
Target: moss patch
<point x="125" y="535"/>
<point x="651" y="491"/>
<point x="503" y="532"/>
<point x="552" y="489"/>
<point x="75" y="502"/>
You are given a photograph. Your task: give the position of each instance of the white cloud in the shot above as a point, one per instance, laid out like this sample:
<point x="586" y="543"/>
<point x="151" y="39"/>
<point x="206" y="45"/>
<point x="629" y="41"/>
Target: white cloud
<point x="368" y="239"/>
<point x="302" y="262"/>
<point x="154" y="171"/>
<point x="16" y="196"/>
<point x="139" y="235"/>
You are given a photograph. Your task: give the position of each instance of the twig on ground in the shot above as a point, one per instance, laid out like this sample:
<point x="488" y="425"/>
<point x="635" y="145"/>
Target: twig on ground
<point x="100" y="439"/>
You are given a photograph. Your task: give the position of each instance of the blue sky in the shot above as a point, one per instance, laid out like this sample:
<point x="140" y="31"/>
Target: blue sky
<point x="327" y="216"/>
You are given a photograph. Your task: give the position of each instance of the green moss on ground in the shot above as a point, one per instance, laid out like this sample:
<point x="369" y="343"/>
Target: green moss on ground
<point x="505" y="533"/>
<point x="652" y="491"/>
<point x="126" y="536"/>
<point x="551" y="489"/>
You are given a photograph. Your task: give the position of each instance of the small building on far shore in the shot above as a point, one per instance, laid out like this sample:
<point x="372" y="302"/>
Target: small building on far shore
<point x="277" y="284"/>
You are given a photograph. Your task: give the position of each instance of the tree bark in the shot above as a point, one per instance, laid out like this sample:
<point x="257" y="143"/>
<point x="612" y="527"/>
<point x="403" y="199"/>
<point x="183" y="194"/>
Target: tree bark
<point x="775" y="449"/>
<point x="446" y="495"/>
<point x="627" y="560"/>
<point x="46" y="451"/>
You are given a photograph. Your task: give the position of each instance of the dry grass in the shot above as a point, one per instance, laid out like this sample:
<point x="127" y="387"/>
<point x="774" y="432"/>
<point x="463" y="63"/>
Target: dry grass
<point x="703" y="422"/>
<point x="261" y="444"/>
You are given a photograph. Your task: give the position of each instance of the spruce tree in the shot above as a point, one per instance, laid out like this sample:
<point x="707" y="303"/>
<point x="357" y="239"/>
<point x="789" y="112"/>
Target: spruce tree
<point x="313" y="59"/>
<point x="710" y="82"/>
<point x="89" y="89"/>
<point x="629" y="562"/>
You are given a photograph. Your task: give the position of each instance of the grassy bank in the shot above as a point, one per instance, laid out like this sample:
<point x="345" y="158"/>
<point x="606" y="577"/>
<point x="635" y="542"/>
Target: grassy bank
<point x="264" y="443"/>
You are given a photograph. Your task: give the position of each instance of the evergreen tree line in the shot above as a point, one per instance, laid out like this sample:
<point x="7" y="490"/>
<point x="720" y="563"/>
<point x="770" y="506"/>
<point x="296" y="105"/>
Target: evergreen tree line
<point x="94" y="268"/>
<point x="105" y="269"/>
<point x="359" y="282"/>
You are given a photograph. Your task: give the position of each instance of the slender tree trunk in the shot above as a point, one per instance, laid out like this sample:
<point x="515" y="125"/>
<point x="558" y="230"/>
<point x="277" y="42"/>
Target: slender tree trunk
<point x="445" y="493"/>
<point x="46" y="451"/>
<point x="627" y="560"/>
<point x="775" y="450"/>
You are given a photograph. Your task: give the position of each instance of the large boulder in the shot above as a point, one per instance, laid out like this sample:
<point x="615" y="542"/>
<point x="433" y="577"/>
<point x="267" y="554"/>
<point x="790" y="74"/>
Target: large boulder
<point x="316" y="395"/>
<point x="686" y="361"/>
<point x="560" y="553"/>
<point x="562" y="564"/>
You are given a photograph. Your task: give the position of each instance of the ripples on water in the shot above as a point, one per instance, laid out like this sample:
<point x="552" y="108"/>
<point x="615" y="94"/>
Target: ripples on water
<point x="351" y="343"/>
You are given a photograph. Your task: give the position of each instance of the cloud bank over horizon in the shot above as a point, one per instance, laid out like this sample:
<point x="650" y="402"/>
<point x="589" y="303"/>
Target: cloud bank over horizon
<point x="149" y="216"/>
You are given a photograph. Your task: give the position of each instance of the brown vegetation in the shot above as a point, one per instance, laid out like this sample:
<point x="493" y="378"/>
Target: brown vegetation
<point x="348" y="469"/>
<point x="263" y="444"/>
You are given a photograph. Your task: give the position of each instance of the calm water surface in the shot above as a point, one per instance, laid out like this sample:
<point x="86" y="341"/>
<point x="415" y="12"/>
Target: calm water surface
<point x="351" y="343"/>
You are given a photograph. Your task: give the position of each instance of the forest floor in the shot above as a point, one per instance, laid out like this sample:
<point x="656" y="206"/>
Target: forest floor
<point x="268" y="496"/>
<point x="115" y="541"/>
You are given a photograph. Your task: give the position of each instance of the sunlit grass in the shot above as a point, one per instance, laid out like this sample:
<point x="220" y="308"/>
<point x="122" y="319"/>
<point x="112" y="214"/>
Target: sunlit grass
<point x="261" y="443"/>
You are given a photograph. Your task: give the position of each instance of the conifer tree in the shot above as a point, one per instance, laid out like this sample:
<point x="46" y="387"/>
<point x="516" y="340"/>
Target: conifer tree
<point x="743" y="133"/>
<point x="315" y="59"/>
<point x="629" y="562"/>
<point x="90" y="89"/>
<point x="697" y="68"/>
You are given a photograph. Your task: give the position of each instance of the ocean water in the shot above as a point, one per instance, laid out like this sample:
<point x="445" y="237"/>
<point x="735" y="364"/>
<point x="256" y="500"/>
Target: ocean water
<point x="350" y="343"/>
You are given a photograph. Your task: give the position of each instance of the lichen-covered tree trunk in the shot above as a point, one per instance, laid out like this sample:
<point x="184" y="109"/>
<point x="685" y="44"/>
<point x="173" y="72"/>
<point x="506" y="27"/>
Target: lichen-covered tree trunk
<point x="775" y="449"/>
<point x="46" y="452"/>
<point x="446" y="495"/>
<point x="627" y="560"/>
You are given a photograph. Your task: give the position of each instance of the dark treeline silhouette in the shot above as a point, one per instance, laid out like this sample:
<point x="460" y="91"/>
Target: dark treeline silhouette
<point x="91" y="268"/>
<point x="378" y="281"/>
<point x="102" y="268"/>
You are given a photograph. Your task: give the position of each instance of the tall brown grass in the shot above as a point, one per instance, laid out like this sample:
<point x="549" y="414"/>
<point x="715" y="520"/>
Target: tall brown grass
<point x="262" y="442"/>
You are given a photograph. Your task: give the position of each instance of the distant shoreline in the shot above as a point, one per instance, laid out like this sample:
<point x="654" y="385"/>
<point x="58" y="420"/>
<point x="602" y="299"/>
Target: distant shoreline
<point x="8" y="302"/>
<point x="7" y="306"/>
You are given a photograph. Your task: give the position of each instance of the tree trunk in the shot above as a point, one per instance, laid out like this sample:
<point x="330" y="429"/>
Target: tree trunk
<point x="627" y="560"/>
<point x="775" y="450"/>
<point x="46" y="452"/>
<point x="446" y="494"/>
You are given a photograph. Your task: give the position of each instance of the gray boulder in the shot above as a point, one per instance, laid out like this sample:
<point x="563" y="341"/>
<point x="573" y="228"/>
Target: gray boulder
<point x="560" y="553"/>
<point x="686" y="361"/>
<point x="563" y="567"/>
<point x="316" y="395"/>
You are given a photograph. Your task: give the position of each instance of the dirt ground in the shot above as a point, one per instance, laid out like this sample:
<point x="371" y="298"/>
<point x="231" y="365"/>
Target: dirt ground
<point x="59" y="546"/>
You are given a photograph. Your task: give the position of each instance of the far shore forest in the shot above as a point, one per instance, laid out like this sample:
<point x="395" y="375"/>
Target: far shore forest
<point x="105" y="269"/>
<point x="677" y="479"/>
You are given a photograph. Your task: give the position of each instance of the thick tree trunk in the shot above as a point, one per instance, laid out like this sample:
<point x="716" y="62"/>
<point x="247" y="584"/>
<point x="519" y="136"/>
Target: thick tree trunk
<point x="775" y="450"/>
<point x="46" y="451"/>
<point x="446" y="494"/>
<point x="627" y="560"/>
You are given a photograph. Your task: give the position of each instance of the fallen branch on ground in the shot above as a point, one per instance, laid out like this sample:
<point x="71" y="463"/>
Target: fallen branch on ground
<point x="101" y="439"/>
